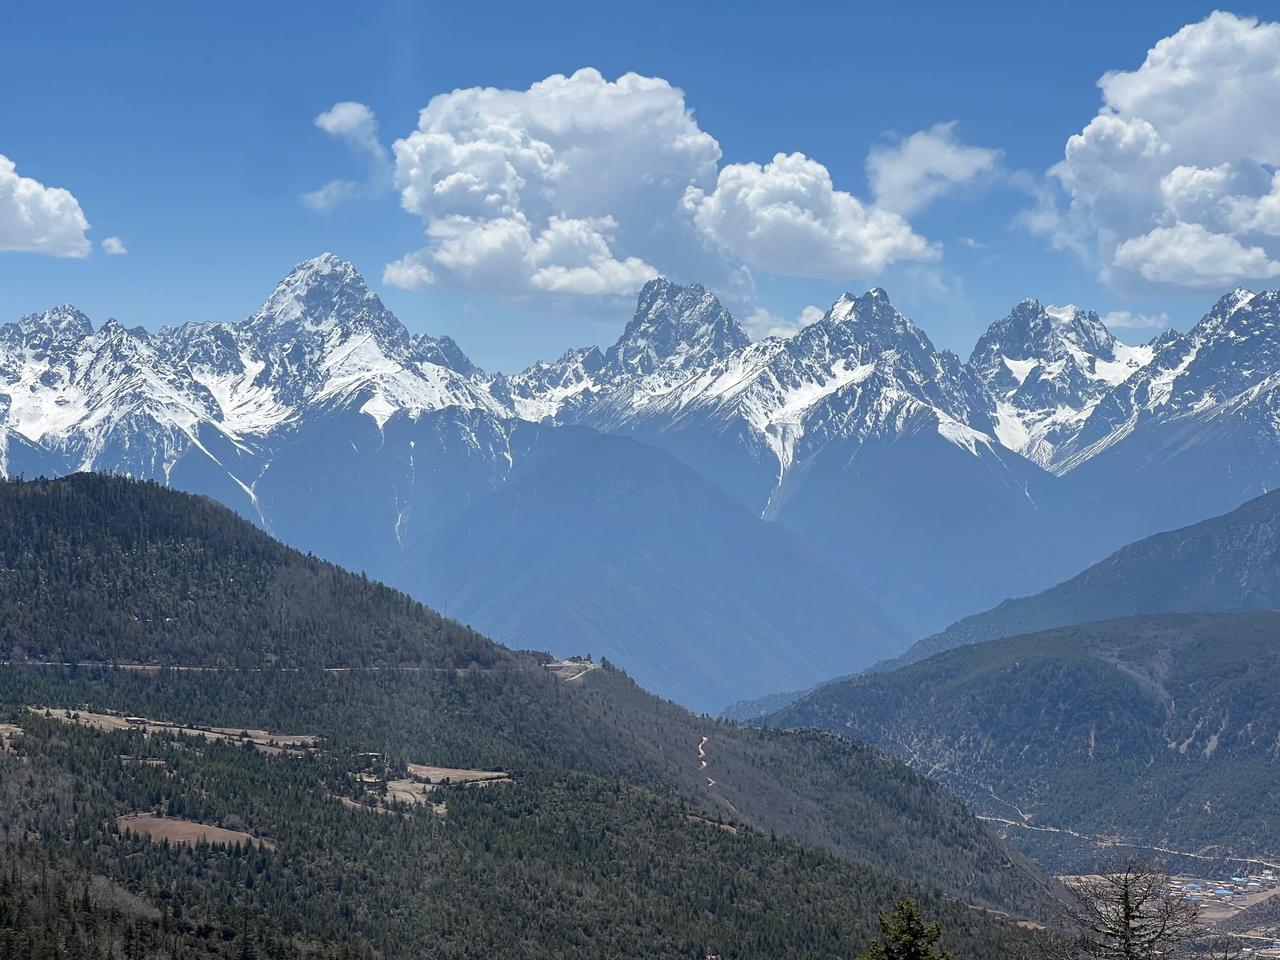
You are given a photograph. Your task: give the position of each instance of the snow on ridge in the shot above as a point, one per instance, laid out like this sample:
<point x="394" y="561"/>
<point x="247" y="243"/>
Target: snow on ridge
<point x="323" y="339"/>
<point x="247" y="407"/>
<point x="1046" y="368"/>
<point x="862" y="371"/>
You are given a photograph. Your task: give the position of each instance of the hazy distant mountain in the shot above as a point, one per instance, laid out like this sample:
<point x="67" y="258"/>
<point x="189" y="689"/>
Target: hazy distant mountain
<point x="856" y="433"/>
<point x="1227" y="563"/>
<point x="613" y="548"/>
<point x="918" y="477"/>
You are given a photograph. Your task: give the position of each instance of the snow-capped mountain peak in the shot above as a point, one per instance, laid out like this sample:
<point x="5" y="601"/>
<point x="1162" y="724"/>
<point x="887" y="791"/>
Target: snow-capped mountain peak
<point x="59" y="325"/>
<point x="871" y="320"/>
<point x="323" y="338"/>
<point x="1045" y="369"/>
<point x="443" y="352"/>
<point x="1223" y="374"/>
<point x="675" y="328"/>
<point x="551" y="390"/>
<point x="126" y="399"/>
<point x="326" y="296"/>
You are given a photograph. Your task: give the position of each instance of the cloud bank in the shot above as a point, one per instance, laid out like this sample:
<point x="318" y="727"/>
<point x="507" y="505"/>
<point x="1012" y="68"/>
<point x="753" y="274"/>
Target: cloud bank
<point x="582" y="186"/>
<point x="1173" y="181"/>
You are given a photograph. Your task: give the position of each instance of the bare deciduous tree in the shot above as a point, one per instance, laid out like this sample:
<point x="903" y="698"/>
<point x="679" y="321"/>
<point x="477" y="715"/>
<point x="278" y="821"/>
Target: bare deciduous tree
<point x="1219" y="948"/>
<point x="1132" y="914"/>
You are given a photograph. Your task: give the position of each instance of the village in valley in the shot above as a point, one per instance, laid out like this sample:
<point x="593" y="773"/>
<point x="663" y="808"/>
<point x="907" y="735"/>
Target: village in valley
<point x="1223" y="899"/>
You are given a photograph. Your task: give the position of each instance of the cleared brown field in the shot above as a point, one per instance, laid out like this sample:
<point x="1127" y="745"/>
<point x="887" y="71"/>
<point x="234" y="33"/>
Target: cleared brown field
<point x="417" y="788"/>
<point x="432" y="774"/>
<point x="186" y="832"/>
<point x="267" y="742"/>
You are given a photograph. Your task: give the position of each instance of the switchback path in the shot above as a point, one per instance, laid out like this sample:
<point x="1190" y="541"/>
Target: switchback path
<point x="702" y="758"/>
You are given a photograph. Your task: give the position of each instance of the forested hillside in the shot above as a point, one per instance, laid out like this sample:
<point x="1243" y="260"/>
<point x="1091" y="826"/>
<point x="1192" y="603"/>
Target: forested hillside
<point x="551" y="866"/>
<point x="1159" y="731"/>
<point x="105" y="569"/>
<point x="222" y="628"/>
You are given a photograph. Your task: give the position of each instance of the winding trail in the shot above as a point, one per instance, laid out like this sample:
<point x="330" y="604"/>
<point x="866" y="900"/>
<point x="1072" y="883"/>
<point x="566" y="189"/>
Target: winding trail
<point x="1112" y="842"/>
<point x="1025" y="820"/>
<point x="702" y="758"/>
<point x="571" y="670"/>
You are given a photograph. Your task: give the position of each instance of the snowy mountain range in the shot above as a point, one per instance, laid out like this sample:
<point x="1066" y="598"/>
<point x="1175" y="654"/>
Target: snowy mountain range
<point x="937" y="485"/>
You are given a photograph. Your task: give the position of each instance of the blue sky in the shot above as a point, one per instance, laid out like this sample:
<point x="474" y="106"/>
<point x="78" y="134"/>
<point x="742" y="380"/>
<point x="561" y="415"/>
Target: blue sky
<point x="188" y="132"/>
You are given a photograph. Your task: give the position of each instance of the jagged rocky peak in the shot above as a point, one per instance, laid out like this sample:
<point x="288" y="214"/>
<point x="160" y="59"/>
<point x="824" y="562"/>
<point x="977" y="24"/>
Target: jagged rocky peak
<point x="1235" y="346"/>
<point x="1035" y="331"/>
<point x="443" y="351"/>
<point x="62" y="324"/>
<point x="1234" y="316"/>
<point x="550" y="388"/>
<point x="113" y="329"/>
<point x="326" y="295"/>
<point x="874" y="305"/>
<point x="675" y="327"/>
<point x="1223" y="370"/>
<point x="872" y="328"/>
<point x="874" y="313"/>
<point x="1037" y="343"/>
<point x="1045" y="368"/>
<point x="574" y="364"/>
<point x="64" y="319"/>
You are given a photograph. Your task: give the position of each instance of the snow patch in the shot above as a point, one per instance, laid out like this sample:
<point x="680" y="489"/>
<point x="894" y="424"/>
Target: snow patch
<point x="1021" y="369"/>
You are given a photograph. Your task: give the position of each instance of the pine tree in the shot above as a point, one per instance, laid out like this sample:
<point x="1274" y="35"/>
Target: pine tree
<point x="905" y="936"/>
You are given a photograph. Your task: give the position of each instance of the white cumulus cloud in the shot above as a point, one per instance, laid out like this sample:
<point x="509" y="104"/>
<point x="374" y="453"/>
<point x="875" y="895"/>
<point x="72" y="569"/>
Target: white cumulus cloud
<point x="1172" y="181"/>
<point x="356" y="126"/>
<point x="787" y="217"/>
<point x="39" y="219"/>
<point x="1191" y="255"/>
<point x="584" y="186"/>
<point x="353" y="122"/>
<point x="909" y="174"/>
<point x="568" y="187"/>
<point x="114" y="246"/>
